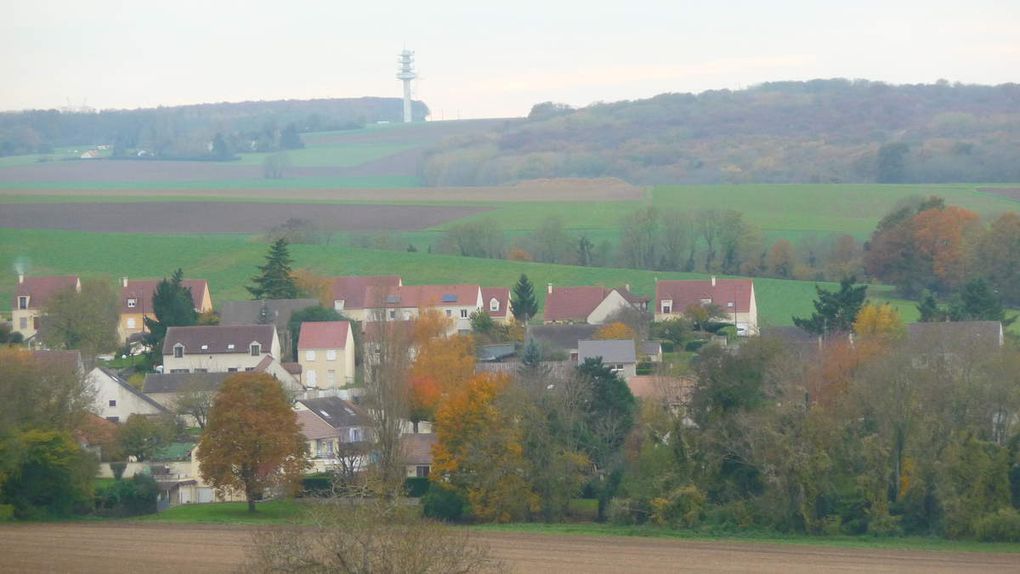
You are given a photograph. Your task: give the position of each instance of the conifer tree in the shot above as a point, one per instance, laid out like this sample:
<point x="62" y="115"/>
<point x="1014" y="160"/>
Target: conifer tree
<point x="173" y="306"/>
<point x="275" y="280"/>
<point x="523" y="303"/>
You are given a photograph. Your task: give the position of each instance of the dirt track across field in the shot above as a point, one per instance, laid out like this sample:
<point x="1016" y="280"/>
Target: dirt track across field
<point x="157" y="548"/>
<point x="214" y="217"/>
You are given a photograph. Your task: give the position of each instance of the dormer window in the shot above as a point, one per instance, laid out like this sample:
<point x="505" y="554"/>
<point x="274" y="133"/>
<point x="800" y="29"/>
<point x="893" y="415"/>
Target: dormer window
<point x="706" y="301"/>
<point x="23" y="302"/>
<point x="132" y="302"/>
<point x="205" y="347"/>
<point x="178" y="351"/>
<point x="338" y="304"/>
<point x="494" y="304"/>
<point x="667" y="306"/>
<point x="256" y="349"/>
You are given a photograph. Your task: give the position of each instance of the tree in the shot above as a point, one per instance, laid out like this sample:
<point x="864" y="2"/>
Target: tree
<point x="311" y="284"/>
<point x="142" y="435"/>
<point x="551" y="243"/>
<point x="275" y="165"/>
<point x="220" y="149"/>
<point x="977" y="302"/>
<point x="274" y="280"/>
<point x="939" y="236"/>
<point x="86" y="321"/>
<point x="387" y="396"/>
<point x="879" y="322"/>
<point x="195" y="400"/>
<point x="780" y="259"/>
<point x="638" y="232"/>
<point x="173" y="305"/>
<point x="523" y="303"/>
<point x="930" y="310"/>
<point x="700" y="314"/>
<point x="615" y="331"/>
<point x="835" y="312"/>
<point x="53" y="475"/>
<point x="584" y="251"/>
<point x="892" y="162"/>
<point x="40" y="394"/>
<point x="996" y="256"/>
<point x="441" y="366"/>
<point x="290" y="138"/>
<point x="252" y="441"/>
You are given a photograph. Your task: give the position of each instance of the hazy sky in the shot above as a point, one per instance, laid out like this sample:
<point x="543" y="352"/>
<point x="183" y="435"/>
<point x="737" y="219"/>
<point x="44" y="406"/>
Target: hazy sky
<point x="483" y="59"/>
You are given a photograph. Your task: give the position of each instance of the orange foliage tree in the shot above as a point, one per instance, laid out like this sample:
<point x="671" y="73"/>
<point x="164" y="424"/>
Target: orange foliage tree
<point x="615" y="331"/>
<point x="311" y="284"/>
<point x="479" y="452"/>
<point x="252" y="440"/>
<point x="939" y="237"/>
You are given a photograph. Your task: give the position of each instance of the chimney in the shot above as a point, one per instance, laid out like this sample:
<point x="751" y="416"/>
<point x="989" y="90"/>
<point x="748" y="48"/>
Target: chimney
<point x="21" y="278"/>
<point x="123" y="282"/>
<point x="627" y="286"/>
<point x="550" y="289"/>
<point x="713" y="281"/>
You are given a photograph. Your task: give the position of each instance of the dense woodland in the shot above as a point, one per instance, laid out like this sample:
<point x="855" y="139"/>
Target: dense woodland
<point x="187" y="131"/>
<point x="817" y="131"/>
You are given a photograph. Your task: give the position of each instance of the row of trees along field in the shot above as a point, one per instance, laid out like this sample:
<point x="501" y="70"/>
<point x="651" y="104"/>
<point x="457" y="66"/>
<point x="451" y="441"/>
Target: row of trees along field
<point x="186" y="131"/>
<point x="816" y="131"/>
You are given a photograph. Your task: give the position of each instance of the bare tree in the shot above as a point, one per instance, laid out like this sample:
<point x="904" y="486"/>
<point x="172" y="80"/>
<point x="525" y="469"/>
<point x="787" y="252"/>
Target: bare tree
<point x="195" y="400"/>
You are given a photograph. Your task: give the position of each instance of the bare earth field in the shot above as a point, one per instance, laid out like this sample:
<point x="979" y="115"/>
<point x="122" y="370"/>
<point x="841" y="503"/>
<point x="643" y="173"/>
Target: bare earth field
<point x="1008" y="192"/>
<point x="153" y="549"/>
<point x="213" y="217"/>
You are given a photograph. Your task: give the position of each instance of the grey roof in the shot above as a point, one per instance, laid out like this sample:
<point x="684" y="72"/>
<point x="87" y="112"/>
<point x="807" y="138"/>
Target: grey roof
<point x="498" y="352"/>
<point x="127" y="386"/>
<point x="175" y="382"/>
<point x="562" y="337"/>
<point x="277" y="311"/>
<point x="651" y="348"/>
<point x="987" y="334"/>
<point x="557" y="369"/>
<point x="218" y="338"/>
<point x="335" y="411"/>
<point x="611" y="351"/>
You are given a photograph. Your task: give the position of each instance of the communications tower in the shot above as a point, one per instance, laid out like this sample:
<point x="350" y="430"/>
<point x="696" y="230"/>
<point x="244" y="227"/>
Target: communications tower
<point x="406" y="73"/>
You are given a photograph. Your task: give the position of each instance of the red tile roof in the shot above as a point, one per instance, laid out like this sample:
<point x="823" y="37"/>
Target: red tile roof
<point x="573" y="303"/>
<point x="684" y="293"/>
<point x="41" y="289"/>
<point x="417" y="296"/>
<point x="352" y="288"/>
<point x="144" y="289"/>
<point x="324" y="335"/>
<point x="417" y="447"/>
<point x="501" y="294"/>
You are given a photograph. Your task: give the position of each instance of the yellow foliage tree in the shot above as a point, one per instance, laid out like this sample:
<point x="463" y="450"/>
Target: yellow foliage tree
<point x="311" y="284"/>
<point x="479" y="452"/>
<point x="879" y="321"/>
<point x="615" y="331"/>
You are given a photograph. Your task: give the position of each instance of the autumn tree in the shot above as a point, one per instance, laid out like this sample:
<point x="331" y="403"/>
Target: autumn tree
<point x="615" y="331"/>
<point x="252" y="441"/>
<point x="939" y="236"/>
<point x="701" y="314"/>
<point x="194" y="401"/>
<point x="274" y="280"/>
<point x="995" y="255"/>
<point x="781" y="259"/>
<point x="311" y="284"/>
<point x="835" y="311"/>
<point x="388" y="347"/>
<point x="523" y="303"/>
<point x="142" y="435"/>
<point x="86" y="320"/>
<point x="880" y="321"/>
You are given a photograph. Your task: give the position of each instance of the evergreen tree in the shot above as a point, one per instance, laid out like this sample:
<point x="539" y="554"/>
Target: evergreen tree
<point x="523" y="302"/>
<point x="173" y="306"/>
<point x="274" y="280"/>
<point x="976" y="301"/>
<point x="220" y="149"/>
<point x="835" y="312"/>
<point x="584" y="247"/>
<point x="929" y="309"/>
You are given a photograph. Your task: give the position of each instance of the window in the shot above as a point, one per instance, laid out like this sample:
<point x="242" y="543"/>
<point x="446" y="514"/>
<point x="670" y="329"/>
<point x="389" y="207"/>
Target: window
<point x="331" y="355"/>
<point x="493" y="304"/>
<point x="338" y="304"/>
<point x="393" y="314"/>
<point x="113" y="402"/>
<point x="667" y="306"/>
<point x="179" y="370"/>
<point x="449" y="312"/>
<point x="23" y="323"/>
<point x="463" y="314"/>
<point x="421" y="471"/>
<point x="23" y="302"/>
<point x="132" y="302"/>
<point x="309" y="355"/>
<point x="131" y="324"/>
<point x="113" y="419"/>
<point x="666" y="309"/>
<point x="231" y="369"/>
<point x="256" y="349"/>
<point x="178" y="351"/>
<point x="249" y="369"/>
<point x="201" y="370"/>
<point x="706" y="301"/>
<point x="355" y="435"/>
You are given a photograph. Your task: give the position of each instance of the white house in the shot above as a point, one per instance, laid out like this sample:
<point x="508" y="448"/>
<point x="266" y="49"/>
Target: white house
<point x="588" y="304"/>
<point x="218" y="348"/>
<point x="456" y="302"/>
<point x="337" y="432"/>
<point x="734" y="297"/>
<point x="115" y="399"/>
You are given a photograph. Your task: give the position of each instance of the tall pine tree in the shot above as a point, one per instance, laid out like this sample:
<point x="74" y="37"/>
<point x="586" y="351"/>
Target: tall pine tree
<point x="274" y="280"/>
<point x="523" y="302"/>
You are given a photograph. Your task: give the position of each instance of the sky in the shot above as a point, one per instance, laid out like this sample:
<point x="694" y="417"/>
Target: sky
<point x="483" y="59"/>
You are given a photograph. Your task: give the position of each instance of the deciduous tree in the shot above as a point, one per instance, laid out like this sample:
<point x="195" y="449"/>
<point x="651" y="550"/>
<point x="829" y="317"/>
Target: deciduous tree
<point x="86" y="321"/>
<point x="615" y="331"/>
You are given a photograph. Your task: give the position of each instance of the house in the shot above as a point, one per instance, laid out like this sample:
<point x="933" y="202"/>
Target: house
<point x="560" y="340"/>
<point x="403" y="303"/>
<point x="136" y="302"/>
<point x="326" y="354"/>
<point x="618" y="354"/>
<point x="32" y="295"/>
<point x="219" y="348"/>
<point x="555" y="369"/>
<point x="349" y="293"/>
<point x="652" y="350"/>
<point x="64" y="360"/>
<point x="337" y="432"/>
<point x="276" y="312"/>
<point x="673" y="392"/>
<point x="734" y="297"/>
<point x="953" y="344"/>
<point x="497" y="304"/>
<point x="115" y="399"/>
<point x="588" y="304"/>
<point x="417" y="451"/>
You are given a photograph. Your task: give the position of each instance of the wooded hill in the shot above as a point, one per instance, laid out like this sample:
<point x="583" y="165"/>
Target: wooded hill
<point x="817" y="131"/>
<point x="185" y="130"/>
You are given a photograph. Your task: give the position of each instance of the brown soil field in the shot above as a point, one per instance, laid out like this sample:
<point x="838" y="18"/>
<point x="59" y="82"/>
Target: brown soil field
<point x="218" y="217"/>
<point x="1008" y="192"/>
<point x="158" y="548"/>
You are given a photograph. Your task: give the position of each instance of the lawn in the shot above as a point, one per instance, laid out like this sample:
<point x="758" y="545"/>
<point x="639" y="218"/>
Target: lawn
<point x="332" y="155"/>
<point x="228" y="261"/>
<point x="271" y="512"/>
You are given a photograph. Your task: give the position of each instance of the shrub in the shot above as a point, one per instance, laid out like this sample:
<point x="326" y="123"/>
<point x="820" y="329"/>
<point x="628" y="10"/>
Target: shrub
<point x="695" y="345"/>
<point x="667" y="346"/>
<point x="132" y="497"/>
<point x="6" y="512"/>
<point x="683" y="506"/>
<point x="443" y="504"/>
<point x="118" y="468"/>
<point x="319" y="484"/>
<point x="416" y="487"/>
<point x="629" y="511"/>
<point x="1001" y="526"/>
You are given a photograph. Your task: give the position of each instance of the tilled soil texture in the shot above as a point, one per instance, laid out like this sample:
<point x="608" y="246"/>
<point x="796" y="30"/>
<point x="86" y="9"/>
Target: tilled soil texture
<point x="1008" y="192"/>
<point x="158" y="548"/>
<point x="220" y="217"/>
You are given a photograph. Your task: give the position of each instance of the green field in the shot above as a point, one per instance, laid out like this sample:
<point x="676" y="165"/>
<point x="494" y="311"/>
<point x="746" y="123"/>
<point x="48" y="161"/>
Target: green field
<point x="228" y="261"/>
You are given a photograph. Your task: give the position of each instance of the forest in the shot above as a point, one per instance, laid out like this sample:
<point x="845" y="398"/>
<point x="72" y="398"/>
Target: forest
<point x="817" y="131"/>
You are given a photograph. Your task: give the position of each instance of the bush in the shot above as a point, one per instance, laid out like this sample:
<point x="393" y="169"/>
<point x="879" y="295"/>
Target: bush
<point x="6" y="512"/>
<point x="629" y="511"/>
<point x="443" y="504"/>
<point x="667" y="346"/>
<point x="684" y="506"/>
<point x="1001" y="526"/>
<point x="416" y="487"/>
<point x="118" y="468"/>
<point x="320" y="484"/>
<point x="132" y="497"/>
<point x="695" y="345"/>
